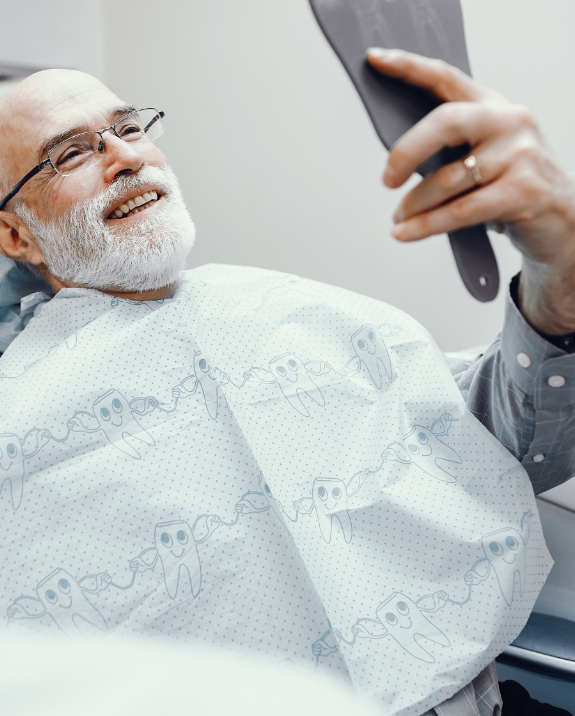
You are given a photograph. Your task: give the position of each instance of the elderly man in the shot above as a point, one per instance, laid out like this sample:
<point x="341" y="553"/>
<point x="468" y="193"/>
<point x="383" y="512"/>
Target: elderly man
<point x="146" y="418"/>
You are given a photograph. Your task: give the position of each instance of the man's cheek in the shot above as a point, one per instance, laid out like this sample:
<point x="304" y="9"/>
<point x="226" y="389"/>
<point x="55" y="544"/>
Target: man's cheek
<point x="64" y="194"/>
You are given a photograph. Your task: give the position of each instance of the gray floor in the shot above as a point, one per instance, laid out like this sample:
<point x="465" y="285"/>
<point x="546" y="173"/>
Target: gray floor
<point x="543" y="688"/>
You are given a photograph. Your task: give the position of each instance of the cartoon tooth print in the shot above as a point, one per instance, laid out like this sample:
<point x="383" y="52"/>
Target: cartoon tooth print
<point x="208" y="383"/>
<point x="295" y="381"/>
<point x="116" y="419"/>
<point x="326" y="645"/>
<point x="252" y="502"/>
<point x="405" y="621"/>
<point x="175" y="547"/>
<point x="295" y="378"/>
<point x="12" y="456"/>
<point x="505" y="555"/>
<point x="63" y="598"/>
<point x="203" y="378"/>
<point x="12" y="467"/>
<point x="372" y="352"/>
<point x="422" y="447"/>
<point x="329" y="501"/>
<point x="407" y="624"/>
<point x="178" y="554"/>
<point x="263" y="501"/>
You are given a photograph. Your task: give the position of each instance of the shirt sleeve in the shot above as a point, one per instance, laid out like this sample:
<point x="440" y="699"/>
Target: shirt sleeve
<point x="522" y="389"/>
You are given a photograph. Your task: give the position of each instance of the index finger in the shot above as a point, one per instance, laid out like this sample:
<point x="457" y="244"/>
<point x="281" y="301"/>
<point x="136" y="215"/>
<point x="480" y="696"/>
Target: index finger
<point x="444" y="81"/>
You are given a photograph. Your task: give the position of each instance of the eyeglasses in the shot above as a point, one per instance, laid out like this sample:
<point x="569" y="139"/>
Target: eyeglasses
<point x="83" y="151"/>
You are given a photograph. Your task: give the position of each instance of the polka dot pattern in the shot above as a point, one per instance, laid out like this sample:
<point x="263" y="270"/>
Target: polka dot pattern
<point x="265" y="463"/>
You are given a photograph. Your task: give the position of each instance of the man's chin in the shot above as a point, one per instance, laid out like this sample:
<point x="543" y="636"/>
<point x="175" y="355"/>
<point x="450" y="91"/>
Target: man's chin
<point x="122" y="274"/>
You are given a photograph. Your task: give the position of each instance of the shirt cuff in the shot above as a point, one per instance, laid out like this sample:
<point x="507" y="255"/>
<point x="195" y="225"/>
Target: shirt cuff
<point x="543" y="375"/>
<point x="538" y="368"/>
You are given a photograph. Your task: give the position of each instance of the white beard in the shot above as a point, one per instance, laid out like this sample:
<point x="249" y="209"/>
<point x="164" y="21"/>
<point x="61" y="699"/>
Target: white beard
<point x="82" y="249"/>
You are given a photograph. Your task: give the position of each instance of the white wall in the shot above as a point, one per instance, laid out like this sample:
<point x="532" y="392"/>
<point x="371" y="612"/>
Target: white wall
<point x="52" y="33"/>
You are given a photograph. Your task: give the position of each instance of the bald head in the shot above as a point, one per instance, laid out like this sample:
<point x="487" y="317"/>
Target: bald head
<point x="101" y="210"/>
<point x="44" y="90"/>
<point x="37" y="108"/>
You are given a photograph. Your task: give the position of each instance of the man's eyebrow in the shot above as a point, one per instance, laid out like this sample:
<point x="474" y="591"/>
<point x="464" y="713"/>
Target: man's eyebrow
<point x="48" y="145"/>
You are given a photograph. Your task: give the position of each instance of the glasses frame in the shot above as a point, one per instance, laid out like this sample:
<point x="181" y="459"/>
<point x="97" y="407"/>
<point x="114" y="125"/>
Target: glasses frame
<point x="101" y="146"/>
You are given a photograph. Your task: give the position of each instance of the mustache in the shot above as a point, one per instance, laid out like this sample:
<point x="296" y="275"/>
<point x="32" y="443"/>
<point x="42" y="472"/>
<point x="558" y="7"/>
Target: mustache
<point x="102" y="203"/>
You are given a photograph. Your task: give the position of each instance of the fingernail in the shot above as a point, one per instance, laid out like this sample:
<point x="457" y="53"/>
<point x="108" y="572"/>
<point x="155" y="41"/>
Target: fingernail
<point x="389" y="175"/>
<point x="398" y="216"/>
<point x="376" y="52"/>
<point x="398" y="232"/>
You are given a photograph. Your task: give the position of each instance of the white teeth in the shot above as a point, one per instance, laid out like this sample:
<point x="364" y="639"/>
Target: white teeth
<point x="132" y="205"/>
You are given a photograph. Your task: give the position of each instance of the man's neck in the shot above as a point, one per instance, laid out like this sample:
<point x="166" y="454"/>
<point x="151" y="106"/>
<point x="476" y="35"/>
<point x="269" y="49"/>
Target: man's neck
<point x="155" y="295"/>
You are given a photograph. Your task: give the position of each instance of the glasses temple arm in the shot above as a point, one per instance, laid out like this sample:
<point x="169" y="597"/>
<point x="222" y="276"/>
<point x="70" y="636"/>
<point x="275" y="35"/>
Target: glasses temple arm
<point x="160" y="115"/>
<point x="23" y="181"/>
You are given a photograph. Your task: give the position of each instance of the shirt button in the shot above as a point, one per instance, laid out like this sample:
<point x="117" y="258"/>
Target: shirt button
<point x="539" y="457"/>
<point x="556" y="381"/>
<point x="524" y="360"/>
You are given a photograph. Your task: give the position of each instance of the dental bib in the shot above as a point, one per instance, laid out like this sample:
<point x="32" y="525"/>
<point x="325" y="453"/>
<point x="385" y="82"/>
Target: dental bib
<point x="268" y="464"/>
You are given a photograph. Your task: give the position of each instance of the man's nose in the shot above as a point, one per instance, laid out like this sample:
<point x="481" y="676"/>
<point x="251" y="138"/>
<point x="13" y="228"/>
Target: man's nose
<point x="120" y="157"/>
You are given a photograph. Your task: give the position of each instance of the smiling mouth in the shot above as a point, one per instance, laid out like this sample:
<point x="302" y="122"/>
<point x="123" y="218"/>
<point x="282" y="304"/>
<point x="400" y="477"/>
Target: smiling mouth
<point x="406" y="627"/>
<point x="135" y="205"/>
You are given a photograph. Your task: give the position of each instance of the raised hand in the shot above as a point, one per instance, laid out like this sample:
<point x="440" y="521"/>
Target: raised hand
<point x="519" y="188"/>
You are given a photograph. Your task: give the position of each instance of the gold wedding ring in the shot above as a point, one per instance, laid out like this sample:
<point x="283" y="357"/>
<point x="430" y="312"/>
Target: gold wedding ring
<point x="472" y="169"/>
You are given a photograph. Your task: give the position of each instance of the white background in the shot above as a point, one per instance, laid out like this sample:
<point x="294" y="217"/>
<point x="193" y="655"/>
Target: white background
<point x="277" y="158"/>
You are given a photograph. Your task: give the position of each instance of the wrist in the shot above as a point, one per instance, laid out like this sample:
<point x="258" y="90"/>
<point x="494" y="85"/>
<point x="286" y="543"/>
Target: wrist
<point x="546" y="296"/>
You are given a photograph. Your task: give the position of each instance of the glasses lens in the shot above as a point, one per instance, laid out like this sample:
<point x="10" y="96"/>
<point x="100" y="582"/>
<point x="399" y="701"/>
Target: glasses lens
<point x="75" y="154"/>
<point x="145" y="123"/>
<point x="83" y="150"/>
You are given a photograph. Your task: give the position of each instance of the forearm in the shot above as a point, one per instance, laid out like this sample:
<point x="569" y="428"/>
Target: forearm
<point x="547" y="296"/>
<point x="545" y="235"/>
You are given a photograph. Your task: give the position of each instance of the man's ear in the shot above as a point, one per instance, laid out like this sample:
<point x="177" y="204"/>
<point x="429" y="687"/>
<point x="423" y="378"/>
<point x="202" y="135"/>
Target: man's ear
<point x="16" y="241"/>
